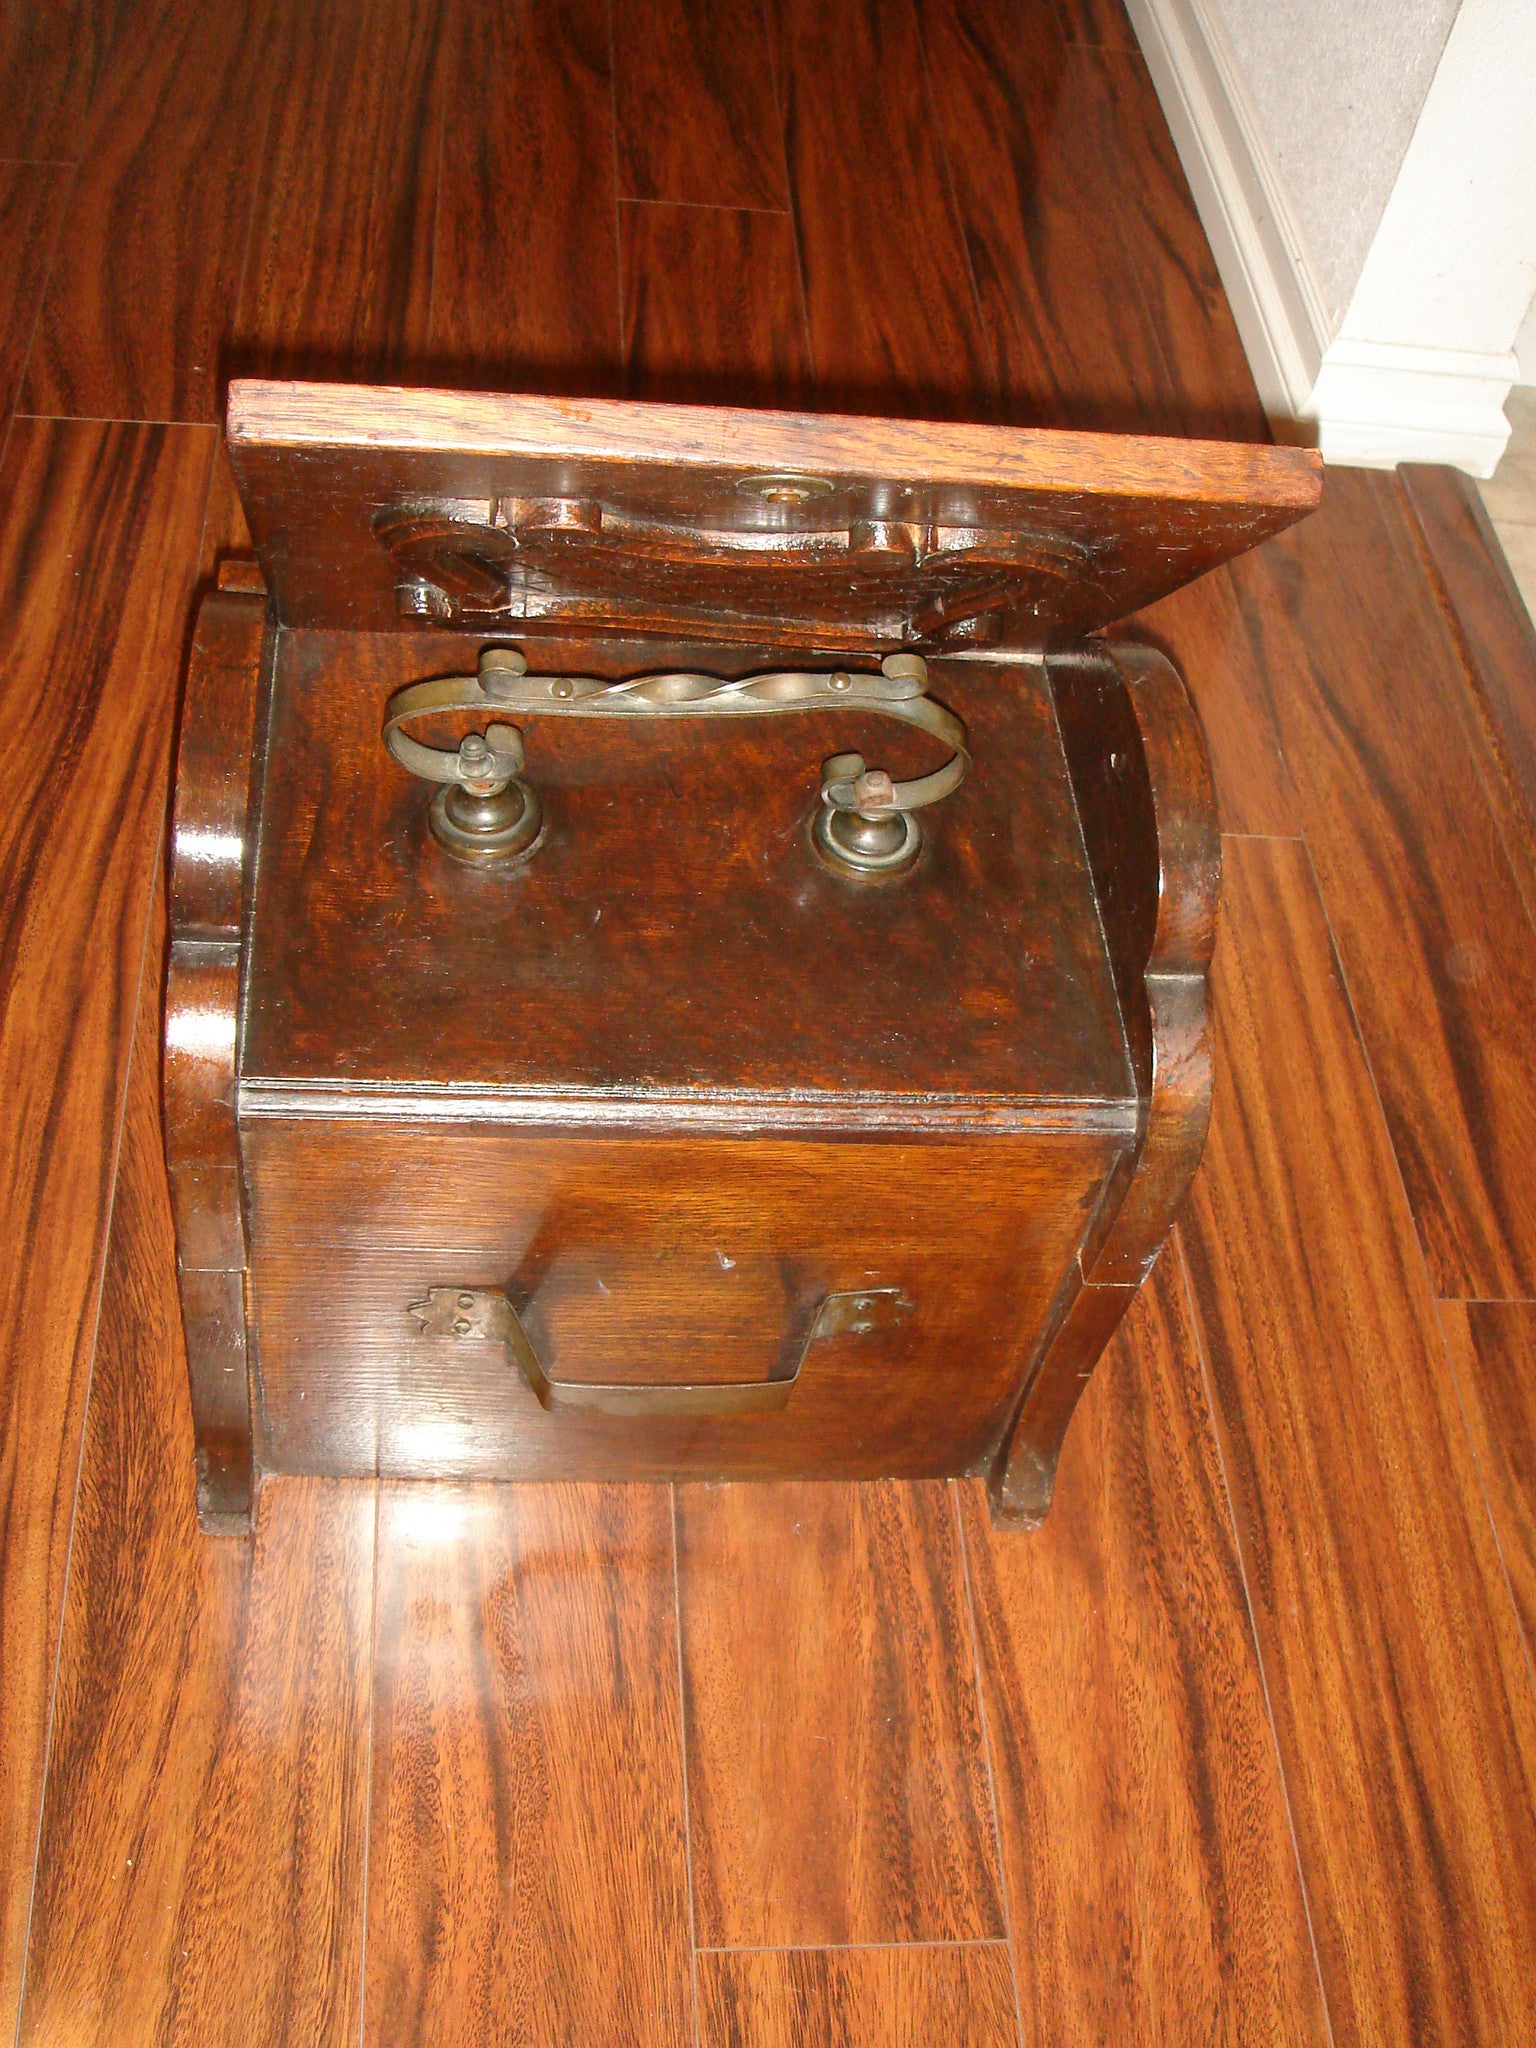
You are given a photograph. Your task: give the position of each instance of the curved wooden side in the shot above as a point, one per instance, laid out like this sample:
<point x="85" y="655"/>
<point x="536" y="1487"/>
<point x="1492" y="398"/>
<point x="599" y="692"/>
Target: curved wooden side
<point x="1142" y="779"/>
<point x="210" y="867"/>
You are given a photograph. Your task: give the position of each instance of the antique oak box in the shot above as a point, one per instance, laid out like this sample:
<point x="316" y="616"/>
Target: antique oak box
<point x="688" y="958"/>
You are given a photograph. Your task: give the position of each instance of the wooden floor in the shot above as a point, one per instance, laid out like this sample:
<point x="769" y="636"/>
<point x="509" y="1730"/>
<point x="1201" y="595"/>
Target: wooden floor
<point x="1241" y="1748"/>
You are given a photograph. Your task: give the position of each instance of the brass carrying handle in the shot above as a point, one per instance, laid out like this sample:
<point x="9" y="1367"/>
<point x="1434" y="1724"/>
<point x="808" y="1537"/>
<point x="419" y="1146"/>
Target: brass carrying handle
<point x="866" y="821"/>
<point x="485" y="1312"/>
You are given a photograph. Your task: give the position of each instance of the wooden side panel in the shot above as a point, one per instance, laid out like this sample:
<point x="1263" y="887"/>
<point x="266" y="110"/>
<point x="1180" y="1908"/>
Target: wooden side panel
<point x="857" y="1998"/>
<point x="211" y="862"/>
<point x="656" y="1261"/>
<point x="1393" y="1659"/>
<point x="98" y="549"/>
<point x="836" y="1777"/>
<point x="1152" y="1883"/>
<point x="200" y="1877"/>
<point x="527" y="1877"/>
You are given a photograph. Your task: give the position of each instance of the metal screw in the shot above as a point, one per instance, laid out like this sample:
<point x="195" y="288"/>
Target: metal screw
<point x="460" y="1327"/>
<point x="466" y="1301"/>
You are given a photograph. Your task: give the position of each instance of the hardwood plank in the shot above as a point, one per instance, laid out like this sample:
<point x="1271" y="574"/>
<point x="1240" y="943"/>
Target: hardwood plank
<point x="1493" y="1349"/>
<point x="893" y="318"/>
<point x="200" y="1877"/>
<point x="1103" y="23"/>
<point x="713" y="311"/>
<point x="1368" y="695"/>
<point x="1394" y="1664"/>
<point x="32" y="200"/>
<point x="50" y="59"/>
<point x="1097" y="287"/>
<point x="338" y="280"/>
<point x="527" y="1873"/>
<point x="149" y="261"/>
<point x="525" y="293"/>
<point x="1152" y="1879"/>
<point x="1205" y="630"/>
<point x="836" y="1775"/>
<point x="98" y="549"/>
<point x="857" y="1998"/>
<point x="693" y="92"/>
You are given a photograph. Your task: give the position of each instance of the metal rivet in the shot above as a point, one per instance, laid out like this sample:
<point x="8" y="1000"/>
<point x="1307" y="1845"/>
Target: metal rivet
<point x="839" y="681"/>
<point x="460" y="1327"/>
<point x="563" y="689"/>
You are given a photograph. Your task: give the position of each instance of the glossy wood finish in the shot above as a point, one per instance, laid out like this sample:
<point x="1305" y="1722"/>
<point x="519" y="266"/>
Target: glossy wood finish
<point x="1142" y="784"/>
<point x="32" y="200"/>
<point x="1394" y="1663"/>
<point x="695" y="105"/>
<point x="98" y="549"/>
<point x="1112" y="1644"/>
<point x="525" y="277"/>
<point x="200" y="1873"/>
<point x="1493" y="1350"/>
<point x="50" y="59"/>
<point x="318" y="466"/>
<point x="528" y="1875"/>
<point x="1423" y="904"/>
<point x="712" y="306"/>
<point x="857" y="1998"/>
<point x="148" y="271"/>
<point x="837" y="1788"/>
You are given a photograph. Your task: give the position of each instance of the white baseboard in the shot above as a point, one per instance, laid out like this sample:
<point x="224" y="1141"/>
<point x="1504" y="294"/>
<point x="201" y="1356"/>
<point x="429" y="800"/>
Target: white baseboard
<point x="1369" y="403"/>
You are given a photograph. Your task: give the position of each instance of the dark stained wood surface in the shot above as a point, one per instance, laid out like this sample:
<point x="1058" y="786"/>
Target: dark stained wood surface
<point x="1393" y="1660"/>
<point x="525" y="267"/>
<point x="50" y="59"/>
<point x="1422" y="902"/>
<point x="1112" y="1643"/>
<point x="200" y="1873"/>
<point x="337" y="269"/>
<point x="98" y="549"/>
<point x="837" y="1784"/>
<point x="32" y="197"/>
<point x="858" y="1998"/>
<point x="712" y="306"/>
<point x="695" y="103"/>
<point x="528" y="1876"/>
<point x="147" y="275"/>
<point x="1493" y="1350"/>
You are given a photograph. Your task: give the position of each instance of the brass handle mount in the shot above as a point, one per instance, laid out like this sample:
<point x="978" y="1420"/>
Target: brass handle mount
<point x="485" y="812"/>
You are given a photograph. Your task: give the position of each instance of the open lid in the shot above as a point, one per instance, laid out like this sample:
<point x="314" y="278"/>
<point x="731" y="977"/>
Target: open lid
<point x="373" y="508"/>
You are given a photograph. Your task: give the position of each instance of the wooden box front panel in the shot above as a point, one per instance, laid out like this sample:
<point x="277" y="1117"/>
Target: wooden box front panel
<point x="652" y="1260"/>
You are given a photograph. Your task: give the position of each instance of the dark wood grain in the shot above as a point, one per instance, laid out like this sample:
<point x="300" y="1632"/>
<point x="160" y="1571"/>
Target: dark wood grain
<point x="338" y="278"/>
<point x="50" y="59"/>
<point x="200" y="1876"/>
<point x="858" y="1998"/>
<point x="1495" y="635"/>
<point x="148" y="269"/>
<point x="525" y="292"/>
<point x="1095" y="282"/>
<point x="1368" y="689"/>
<point x="1102" y="23"/>
<point x="98" y="548"/>
<point x="1394" y="1663"/>
<point x="1204" y="628"/>
<point x="837" y="1785"/>
<point x="893" y="316"/>
<point x="1152" y="1881"/>
<point x="713" y="311"/>
<point x="1493" y="1349"/>
<point x="32" y="197"/>
<point x="694" y="95"/>
<point x="527" y="1863"/>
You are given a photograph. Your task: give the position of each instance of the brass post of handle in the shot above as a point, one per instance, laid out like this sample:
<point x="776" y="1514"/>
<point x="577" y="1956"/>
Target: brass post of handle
<point x="484" y="811"/>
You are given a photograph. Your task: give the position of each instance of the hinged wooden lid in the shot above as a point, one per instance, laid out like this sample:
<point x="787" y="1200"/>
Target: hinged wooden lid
<point x="375" y="507"/>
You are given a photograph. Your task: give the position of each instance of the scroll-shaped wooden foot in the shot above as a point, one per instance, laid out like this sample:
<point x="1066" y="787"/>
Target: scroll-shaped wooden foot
<point x="210" y="861"/>
<point x="1142" y="780"/>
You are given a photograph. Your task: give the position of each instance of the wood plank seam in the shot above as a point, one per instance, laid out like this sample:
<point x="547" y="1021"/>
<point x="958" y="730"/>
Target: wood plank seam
<point x="789" y="188"/>
<point x="618" y="257"/>
<point x="952" y="197"/>
<point x="840" y="1948"/>
<point x="986" y="1751"/>
<point x="682" y="1745"/>
<point x="85" y="1409"/>
<point x="1208" y="1382"/>
<point x="373" y="1666"/>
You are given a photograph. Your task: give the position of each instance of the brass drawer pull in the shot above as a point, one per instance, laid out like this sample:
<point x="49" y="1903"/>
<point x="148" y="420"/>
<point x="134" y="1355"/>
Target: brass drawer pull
<point x="485" y="812"/>
<point x="486" y="1313"/>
